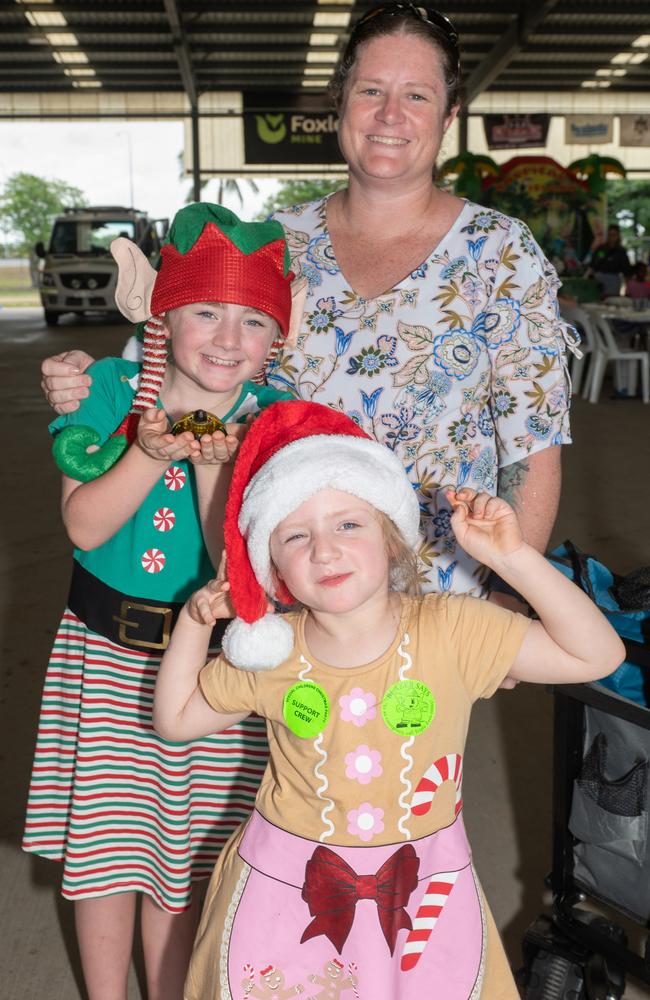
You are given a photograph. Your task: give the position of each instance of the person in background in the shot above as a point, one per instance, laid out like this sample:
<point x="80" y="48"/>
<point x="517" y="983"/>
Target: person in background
<point x="638" y="285"/>
<point x="432" y="321"/>
<point x="610" y="263"/>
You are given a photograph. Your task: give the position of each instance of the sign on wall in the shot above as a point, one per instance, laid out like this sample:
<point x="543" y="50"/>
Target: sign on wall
<point x="279" y="129"/>
<point x="515" y="131"/>
<point x="635" y="130"/>
<point x="588" y="129"/>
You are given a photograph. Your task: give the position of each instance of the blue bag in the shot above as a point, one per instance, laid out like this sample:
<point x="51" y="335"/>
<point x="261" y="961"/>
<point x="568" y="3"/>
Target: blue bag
<point x="632" y="621"/>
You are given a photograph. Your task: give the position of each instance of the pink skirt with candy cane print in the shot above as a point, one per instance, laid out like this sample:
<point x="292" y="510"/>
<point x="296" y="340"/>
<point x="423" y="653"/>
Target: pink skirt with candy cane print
<point x="287" y="916"/>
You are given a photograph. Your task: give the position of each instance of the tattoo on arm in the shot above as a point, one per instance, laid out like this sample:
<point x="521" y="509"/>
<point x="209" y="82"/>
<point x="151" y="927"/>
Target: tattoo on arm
<point x="511" y="479"/>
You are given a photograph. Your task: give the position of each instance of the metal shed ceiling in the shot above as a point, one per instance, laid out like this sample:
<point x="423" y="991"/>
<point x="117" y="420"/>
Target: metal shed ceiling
<point x="195" y="46"/>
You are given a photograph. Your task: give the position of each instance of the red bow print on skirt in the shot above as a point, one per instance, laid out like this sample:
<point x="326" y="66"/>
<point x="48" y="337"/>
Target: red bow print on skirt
<point x="332" y="888"/>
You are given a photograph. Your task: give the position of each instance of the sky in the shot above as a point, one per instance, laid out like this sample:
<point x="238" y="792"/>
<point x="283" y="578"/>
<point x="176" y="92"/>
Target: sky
<point x="95" y="157"/>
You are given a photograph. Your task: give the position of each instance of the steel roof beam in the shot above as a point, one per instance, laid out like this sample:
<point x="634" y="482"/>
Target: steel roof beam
<point x="503" y="52"/>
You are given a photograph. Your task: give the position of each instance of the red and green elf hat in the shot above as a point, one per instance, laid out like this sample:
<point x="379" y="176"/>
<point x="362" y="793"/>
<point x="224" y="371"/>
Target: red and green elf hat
<point x="210" y="255"/>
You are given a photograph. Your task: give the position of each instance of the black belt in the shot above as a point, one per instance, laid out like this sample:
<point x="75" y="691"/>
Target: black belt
<point x="136" y="622"/>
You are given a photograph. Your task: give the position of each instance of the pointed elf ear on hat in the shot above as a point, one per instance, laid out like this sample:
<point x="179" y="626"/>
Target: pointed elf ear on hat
<point x="135" y="280"/>
<point x="299" y="289"/>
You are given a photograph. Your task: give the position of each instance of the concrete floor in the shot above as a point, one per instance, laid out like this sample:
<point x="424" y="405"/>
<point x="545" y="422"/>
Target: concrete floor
<point x="508" y="764"/>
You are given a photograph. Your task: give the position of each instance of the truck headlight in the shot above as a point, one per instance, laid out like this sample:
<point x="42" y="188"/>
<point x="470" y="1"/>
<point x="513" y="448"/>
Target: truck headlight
<point x="48" y="281"/>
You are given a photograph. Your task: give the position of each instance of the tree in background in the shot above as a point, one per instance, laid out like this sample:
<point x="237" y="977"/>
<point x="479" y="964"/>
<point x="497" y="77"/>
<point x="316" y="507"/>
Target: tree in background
<point x="296" y="192"/>
<point x="29" y="205"/>
<point x="231" y="186"/>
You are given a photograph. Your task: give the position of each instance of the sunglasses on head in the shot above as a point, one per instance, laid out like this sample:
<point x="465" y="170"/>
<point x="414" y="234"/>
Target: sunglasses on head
<point x="439" y="21"/>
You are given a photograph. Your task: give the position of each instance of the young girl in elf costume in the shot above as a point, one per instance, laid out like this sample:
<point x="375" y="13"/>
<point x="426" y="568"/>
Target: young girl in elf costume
<point x="353" y="877"/>
<point x="128" y="812"/>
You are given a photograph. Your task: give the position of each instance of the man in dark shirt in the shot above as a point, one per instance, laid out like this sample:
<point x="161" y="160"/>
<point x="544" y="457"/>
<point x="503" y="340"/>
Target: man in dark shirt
<point x="609" y="262"/>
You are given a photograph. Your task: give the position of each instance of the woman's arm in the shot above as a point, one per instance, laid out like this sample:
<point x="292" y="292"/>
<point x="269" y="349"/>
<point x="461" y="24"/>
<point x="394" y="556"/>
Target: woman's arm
<point x="532" y="488"/>
<point x="573" y="642"/>
<point x="180" y="710"/>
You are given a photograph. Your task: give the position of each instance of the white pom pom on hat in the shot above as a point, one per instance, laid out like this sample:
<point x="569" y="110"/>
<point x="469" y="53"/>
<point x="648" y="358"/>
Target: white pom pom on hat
<point x="292" y="451"/>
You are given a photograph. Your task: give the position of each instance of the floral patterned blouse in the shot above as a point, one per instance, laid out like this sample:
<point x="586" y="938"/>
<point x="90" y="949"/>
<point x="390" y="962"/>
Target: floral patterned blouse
<point x="460" y="368"/>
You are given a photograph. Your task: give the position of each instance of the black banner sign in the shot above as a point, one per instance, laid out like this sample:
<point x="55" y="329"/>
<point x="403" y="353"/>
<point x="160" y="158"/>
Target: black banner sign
<point x="282" y="129"/>
<point x="515" y="131"/>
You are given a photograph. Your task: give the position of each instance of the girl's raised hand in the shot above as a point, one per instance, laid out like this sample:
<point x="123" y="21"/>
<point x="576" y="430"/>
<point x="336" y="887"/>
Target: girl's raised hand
<point x="211" y="602"/>
<point x="485" y="526"/>
<point x="157" y="441"/>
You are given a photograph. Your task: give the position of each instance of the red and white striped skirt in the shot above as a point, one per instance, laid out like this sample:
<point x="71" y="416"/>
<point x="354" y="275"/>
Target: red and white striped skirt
<point x="124" y="809"/>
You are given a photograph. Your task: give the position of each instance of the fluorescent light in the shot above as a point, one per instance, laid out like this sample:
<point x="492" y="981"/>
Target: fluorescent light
<point x="65" y="38"/>
<point x="45" y="19"/>
<point x="70" y="57"/>
<point x="621" y="57"/>
<point x="317" y="71"/>
<point x="322" y="57"/>
<point x="323" y="19"/>
<point x="642" y="42"/>
<point x="79" y="72"/>
<point x="639" y="57"/>
<point x="86" y="83"/>
<point x="316" y="39"/>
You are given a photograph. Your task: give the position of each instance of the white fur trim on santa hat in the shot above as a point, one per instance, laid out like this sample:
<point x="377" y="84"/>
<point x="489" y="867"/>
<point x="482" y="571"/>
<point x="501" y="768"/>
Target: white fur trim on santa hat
<point x="262" y="645"/>
<point x="355" y="465"/>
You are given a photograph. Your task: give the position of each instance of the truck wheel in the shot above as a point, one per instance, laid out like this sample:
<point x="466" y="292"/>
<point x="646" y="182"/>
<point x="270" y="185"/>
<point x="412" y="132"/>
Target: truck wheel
<point x="51" y="317"/>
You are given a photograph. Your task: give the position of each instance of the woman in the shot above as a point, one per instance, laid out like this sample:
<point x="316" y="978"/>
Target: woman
<point x="430" y="320"/>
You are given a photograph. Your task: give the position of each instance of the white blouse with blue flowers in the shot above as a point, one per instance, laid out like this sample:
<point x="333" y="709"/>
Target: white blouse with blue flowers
<point x="460" y="368"/>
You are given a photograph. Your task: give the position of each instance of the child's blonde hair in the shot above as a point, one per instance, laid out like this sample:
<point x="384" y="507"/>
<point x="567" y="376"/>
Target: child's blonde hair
<point x="403" y="560"/>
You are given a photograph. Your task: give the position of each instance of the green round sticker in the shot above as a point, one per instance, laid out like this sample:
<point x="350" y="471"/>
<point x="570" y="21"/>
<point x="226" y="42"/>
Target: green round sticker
<point x="306" y="709"/>
<point x="408" y="707"/>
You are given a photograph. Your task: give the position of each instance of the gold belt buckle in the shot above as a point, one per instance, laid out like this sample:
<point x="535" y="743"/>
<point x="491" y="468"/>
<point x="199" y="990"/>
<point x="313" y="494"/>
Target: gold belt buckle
<point x="125" y="622"/>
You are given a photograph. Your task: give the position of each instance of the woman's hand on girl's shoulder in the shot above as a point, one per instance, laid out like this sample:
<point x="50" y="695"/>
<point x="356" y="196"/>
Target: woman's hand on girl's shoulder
<point x="63" y="381"/>
<point x="486" y="526"/>
<point x="157" y="441"/>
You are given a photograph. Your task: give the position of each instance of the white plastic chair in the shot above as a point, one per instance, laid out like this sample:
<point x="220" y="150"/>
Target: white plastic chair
<point x="578" y="317"/>
<point x="608" y="349"/>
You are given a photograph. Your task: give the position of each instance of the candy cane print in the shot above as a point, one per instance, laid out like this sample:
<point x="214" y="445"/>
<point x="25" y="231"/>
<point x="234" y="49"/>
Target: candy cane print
<point x="432" y="905"/>
<point x="447" y="768"/>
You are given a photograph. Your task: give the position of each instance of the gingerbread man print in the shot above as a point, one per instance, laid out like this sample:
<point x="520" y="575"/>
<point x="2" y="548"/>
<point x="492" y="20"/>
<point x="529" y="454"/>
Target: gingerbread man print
<point x="332" y="981"/>
<point x="272" y="985"/>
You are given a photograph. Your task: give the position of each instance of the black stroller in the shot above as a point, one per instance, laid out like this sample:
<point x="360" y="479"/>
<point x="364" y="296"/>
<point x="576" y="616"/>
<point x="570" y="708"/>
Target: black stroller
<point x="601" y="823"/>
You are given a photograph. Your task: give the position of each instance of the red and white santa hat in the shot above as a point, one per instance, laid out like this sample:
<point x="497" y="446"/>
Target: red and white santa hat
<point x="292" y="451"/>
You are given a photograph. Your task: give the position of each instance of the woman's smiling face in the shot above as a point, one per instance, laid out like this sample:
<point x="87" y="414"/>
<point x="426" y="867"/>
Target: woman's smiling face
<point x="392" y="117"/>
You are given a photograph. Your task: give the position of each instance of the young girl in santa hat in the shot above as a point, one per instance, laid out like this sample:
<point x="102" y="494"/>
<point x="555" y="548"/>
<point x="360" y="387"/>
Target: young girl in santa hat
<point x="353" y="876"/>
<point x="128" y="812"/>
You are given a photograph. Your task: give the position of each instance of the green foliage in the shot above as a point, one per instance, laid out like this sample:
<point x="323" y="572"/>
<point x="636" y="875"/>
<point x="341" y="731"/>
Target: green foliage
<point x="629" y="204"/>
<point x="296" y="192"/>
<point x="29" y="204"/>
